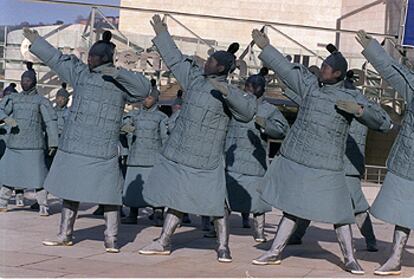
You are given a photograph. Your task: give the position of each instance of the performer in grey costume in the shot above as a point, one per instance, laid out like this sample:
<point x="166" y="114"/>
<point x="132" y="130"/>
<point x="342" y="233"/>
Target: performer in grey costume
<point x="354" y="170"/>
<point x="62" y="99"/>
<point x="29" y="115"/>
<point x="246" y="157"/>
<point x="394" y="203"/>
<point x="85" y="168"/>
<point x="147" y="132"/>
<point x="307" y="179"/>
<point x="189" y="176"/>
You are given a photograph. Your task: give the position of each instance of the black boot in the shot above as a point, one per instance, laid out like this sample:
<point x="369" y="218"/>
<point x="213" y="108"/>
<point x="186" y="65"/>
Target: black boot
<point x="222" y="228"/>
<point x="131" y="219"/>
<point x="274" y="255"/>
<point x="99" y="211"/>
<point x="205" y="223"/>
<point x="158" y="216"/>
<point x="162" y="245"/>
<point x="393" y="265"/>
<point x="259" y="224"/>
<point x="297" y="235"/>
<point x="344" y="235"/>
<point x="364" y="224"/>
<point x="186" y="219"/>
<point x="67" y="221"/>
<point x="245" y="220"/>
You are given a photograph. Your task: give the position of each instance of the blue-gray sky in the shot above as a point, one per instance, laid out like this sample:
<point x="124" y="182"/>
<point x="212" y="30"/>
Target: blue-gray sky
<point x="16" y="11"/>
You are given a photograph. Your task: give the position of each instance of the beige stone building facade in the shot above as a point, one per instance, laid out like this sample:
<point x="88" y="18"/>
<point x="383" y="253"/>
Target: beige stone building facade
<point x="371" y="15"/>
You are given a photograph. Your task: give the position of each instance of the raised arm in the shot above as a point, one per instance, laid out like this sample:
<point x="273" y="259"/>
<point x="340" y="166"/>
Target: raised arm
<point x="68" y="67"/>
<point x="397" y="76"/>
<point x="184" y="68"/>
<point x="297" y="77"/>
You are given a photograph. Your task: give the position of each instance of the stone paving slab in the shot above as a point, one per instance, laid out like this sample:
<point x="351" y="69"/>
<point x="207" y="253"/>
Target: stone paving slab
<point x="22" y="254"/>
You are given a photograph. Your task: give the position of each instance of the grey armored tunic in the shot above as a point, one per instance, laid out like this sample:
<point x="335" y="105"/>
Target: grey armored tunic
<point x="395" y="201"/>
<point x="23" y="164"/>
<point x="354" y="159"/>
<point x="189" y="175"/>
<point x="307" y="179"/>
<point x="62" y="114"/>
<point x="85" y="168"/>
<point x="246" y="159"/>
<point x="147" y="140"/>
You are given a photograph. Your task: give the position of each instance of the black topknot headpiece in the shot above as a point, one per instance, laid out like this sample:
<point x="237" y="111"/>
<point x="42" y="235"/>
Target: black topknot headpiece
<point x="30" y="73"/>
<point x="336" y="60"/>
<point x="104" y="48"/>
<point x="259" y="80"/>
<point x="227" y="58"/>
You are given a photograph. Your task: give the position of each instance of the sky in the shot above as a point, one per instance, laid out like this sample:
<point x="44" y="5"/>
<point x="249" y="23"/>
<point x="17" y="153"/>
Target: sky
<point x="16" y="11"/>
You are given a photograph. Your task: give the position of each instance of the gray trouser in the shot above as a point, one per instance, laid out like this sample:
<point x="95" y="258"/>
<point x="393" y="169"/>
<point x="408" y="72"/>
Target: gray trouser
<point x="41" y="197"/>
<point x="67" y="220"/>
<point x="6" y="193"/>
<point x="112" y="217"/>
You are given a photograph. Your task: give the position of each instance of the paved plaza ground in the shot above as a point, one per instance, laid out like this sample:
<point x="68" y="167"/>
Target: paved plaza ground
<point x="22" y="254"/>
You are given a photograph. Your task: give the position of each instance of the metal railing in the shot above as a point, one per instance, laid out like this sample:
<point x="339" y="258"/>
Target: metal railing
<point x="374" y="174"/>
<point x="368" y="85"/>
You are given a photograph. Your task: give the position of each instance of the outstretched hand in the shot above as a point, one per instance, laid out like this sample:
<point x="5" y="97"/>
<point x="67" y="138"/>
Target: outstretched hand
<point x="30" y="34"/>
<point x="52" y="151"/>
<point x="363" y="38"/>
<point x="220" y="86"/>
<point x="260" y="38"/>
<point x="10" y="122"/>
<point x="350" y="107"/>
<point x="128" y="128"/>
<point x="261" y="121"/>
<point x="158" y="25"/>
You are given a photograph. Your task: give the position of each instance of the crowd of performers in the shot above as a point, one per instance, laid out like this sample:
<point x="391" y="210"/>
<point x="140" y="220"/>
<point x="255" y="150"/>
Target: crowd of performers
<point x="209" y="157"/>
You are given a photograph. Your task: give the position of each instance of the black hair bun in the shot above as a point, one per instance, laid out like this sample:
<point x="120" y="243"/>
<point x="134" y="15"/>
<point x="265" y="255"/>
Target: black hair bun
<point x="264" y="71"/>
<point x="350" y="74"/>
<point x="331" y="48"/>
<point x="107" y="36"/>
<point x="29" y="66"/>
<point x="233" y="48"/>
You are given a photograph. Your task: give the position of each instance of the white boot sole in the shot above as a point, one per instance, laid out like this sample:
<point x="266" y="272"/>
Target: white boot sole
<point x="256" y="262"/>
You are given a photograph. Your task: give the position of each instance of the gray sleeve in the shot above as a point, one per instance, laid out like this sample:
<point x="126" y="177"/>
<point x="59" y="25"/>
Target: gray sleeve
<point x="184" y="68"/>
<point x="398" y="76"/>
<point x="68" y="67"/>
<point x="297" y="99"/>
<point x="137" y="86"/>
<point x="243" y="106"/>
<point x="276" y="125"/>
<point x="297" y="77"/>
<point x="172" y="120"/>
<point x="6" y="107"/>
<point x="164" y="129"/>
<point x="373" y="116"/>
<point x="49" y="117"/>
